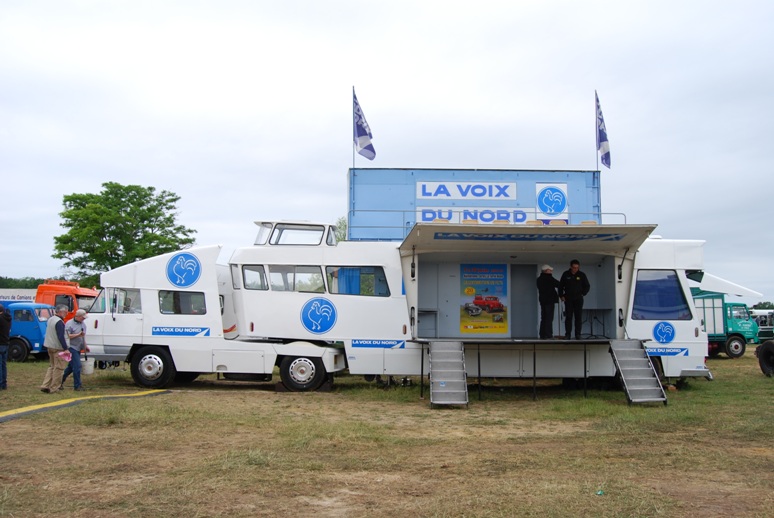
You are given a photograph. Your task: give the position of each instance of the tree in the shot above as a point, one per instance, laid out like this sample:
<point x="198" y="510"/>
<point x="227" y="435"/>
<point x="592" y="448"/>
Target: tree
<point x="763" y="305"/>
<point x="23" y="283"/>
<point x="341" y="229"/>
<point x="120" y="225"/>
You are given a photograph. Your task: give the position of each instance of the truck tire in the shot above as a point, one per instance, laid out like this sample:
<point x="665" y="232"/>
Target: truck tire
<point x="302" y="374"/>
<point x="735" y="347"/>
<point x="18" y="350"/>
<point x="152" y="367"/>
<point x="766" y="358"/>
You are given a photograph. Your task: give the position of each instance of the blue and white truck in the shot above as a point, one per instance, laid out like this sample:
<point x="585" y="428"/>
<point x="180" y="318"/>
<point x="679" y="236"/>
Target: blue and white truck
<point x="28" y="328"/>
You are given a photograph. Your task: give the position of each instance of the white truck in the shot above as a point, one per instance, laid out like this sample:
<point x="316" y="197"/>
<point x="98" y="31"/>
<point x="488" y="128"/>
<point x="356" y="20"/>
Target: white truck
<point x="302" y="302"/>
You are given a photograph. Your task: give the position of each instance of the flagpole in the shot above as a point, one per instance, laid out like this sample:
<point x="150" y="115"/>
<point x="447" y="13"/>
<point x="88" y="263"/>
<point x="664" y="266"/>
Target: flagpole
<point x="353" y="128"/>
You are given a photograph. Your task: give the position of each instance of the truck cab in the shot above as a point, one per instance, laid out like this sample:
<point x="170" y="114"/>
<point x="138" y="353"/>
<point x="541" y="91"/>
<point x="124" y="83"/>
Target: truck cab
<point x="28" y="329"/>
<point x="71" y="294"/>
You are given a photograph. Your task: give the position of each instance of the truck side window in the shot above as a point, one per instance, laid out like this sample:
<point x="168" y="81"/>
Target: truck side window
<point x="182" y="302"/>
<point x="285" y="277"/>
<point x="128" y="301"/>
<point x="358" y="280"/>
<point x="64" y="299"/>
<point x="254" y="277"/>
<point x="658" y="295"/>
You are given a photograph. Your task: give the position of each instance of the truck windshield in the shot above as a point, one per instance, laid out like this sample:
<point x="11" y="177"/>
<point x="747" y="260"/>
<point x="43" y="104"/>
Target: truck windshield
<point x="85" y="302"/>
<point x="739" y="313"/>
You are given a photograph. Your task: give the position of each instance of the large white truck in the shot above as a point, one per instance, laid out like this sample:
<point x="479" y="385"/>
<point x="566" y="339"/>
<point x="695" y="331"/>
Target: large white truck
<point x="299" y="301"/>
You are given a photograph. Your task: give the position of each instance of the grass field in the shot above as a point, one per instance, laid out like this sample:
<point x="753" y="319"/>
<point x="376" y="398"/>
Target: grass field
<point x="217" y="448"/>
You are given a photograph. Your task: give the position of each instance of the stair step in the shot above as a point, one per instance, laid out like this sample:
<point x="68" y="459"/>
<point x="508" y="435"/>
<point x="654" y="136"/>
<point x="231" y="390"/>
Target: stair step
<point x="636" y="370"/>
<point x="448" y="379"/>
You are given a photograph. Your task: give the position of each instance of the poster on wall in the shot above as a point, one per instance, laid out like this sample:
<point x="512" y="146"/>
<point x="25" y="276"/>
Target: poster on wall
<point x="483" y="299"/>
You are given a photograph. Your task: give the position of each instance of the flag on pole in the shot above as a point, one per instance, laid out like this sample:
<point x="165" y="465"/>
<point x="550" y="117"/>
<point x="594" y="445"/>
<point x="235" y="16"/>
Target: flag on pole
<point x="603" y="146"/>
<point x="362" y="132"/>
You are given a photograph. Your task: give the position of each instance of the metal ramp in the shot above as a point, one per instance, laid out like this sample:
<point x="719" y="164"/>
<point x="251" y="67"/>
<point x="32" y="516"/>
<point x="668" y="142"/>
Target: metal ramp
<point x="639" y="378"/>
<point x="448" y="380"/>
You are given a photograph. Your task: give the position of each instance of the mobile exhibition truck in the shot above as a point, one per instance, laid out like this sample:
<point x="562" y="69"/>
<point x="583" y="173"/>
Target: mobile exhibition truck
<point x="729" y="325"/>
<point x="394" y="299"/>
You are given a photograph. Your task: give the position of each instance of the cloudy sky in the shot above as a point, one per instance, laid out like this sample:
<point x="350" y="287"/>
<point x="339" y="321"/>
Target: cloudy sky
<point x="243" y="108"/>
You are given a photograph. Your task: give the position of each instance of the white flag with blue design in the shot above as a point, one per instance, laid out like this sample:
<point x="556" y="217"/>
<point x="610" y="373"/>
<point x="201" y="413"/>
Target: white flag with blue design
<point x="603" y="146"/>
<point x="362" y="132"/>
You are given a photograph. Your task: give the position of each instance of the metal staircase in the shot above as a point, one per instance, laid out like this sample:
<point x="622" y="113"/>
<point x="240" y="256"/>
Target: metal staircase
<point x="639" y="378"/>
<point x="448" y="380"/>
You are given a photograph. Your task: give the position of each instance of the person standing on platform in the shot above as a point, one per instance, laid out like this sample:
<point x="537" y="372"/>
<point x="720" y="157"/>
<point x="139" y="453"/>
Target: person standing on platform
<point x="573" y="286"/>
<point x="548" y="296"/>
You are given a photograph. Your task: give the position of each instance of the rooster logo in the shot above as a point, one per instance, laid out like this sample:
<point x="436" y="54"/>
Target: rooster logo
<point x="183" y="269"/>
<point x="664" y="332"/>
<point x="318" y="315"/>
<point x="552" y="201"/>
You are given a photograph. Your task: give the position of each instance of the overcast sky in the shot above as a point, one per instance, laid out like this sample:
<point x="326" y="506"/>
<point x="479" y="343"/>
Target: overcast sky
<point x="243" y="108"/>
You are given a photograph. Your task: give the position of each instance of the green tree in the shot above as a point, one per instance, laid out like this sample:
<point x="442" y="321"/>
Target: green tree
<point x="120" y="225"/>
<point x="763" y="305"/>
<point x="23" y="283"/>
<point x="341" y="229"/>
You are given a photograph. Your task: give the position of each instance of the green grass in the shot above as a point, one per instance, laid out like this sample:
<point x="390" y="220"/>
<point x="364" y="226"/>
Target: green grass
<point x="215" y="448"/>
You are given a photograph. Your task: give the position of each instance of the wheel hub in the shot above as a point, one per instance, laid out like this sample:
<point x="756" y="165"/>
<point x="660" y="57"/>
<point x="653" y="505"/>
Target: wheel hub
<point x="151" y="367"/>
<point x="302" y="370"/>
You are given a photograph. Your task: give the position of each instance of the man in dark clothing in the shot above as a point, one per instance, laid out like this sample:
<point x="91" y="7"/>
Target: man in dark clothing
<point x="573" y="286"/>
<point x="5" y="331"/>
<point x="548" y="297"/>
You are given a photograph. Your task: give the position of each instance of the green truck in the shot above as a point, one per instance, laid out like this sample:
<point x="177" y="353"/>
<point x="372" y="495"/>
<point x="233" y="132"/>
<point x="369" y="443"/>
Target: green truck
<point x="729" y="325"/>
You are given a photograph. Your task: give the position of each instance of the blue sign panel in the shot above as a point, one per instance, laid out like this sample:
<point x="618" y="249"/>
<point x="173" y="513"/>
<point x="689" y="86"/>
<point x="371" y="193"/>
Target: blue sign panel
<point x="385" y="204"/>
<point x="184" y="269"/>
<point x="663" y="332"/>
<point x="318" y="315"/>
<point x="380" y="344"/>
<point x="180" y="331"/>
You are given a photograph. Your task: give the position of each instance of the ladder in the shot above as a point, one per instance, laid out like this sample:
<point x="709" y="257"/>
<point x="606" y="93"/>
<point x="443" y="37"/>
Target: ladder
<point x="639" y="378"/>
<point x="448" y="380"/>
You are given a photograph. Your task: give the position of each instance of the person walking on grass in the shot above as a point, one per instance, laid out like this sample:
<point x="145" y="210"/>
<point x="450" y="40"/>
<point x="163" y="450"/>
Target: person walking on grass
<point x="55" y="342"/>
<point x="76" y="332"/>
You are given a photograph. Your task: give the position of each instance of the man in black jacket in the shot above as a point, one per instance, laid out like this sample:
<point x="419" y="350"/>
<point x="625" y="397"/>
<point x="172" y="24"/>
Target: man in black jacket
<point x="5" y="331"/>
<point x="548" y="297"/>
<point x="573" y="286"/>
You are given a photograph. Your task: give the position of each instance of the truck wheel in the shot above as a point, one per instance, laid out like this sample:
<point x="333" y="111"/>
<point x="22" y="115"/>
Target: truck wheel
<point x="302" y="374"/>
<point x="766" y="358"/>
<point x="152" y="367"/>
<point x="17" y="350"/>
<point x="735" y="347"/>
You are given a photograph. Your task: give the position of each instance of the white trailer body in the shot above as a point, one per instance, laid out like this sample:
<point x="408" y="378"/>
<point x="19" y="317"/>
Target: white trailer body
<point x="285" y="302"/>
<point x="171" y="317"/>
<point x="388" y="333"/>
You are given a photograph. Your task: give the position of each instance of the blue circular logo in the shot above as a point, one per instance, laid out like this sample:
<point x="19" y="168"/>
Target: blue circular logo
<point x="664" y="332"/>
<point x="551" y="201"/>
<point x="318" y="315"/>
<point x="184" y="269"/>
